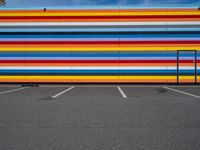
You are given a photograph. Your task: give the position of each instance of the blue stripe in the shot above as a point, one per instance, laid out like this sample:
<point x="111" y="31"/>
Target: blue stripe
<point x="101" y="36"/>
<point x="98" y="29"/>
<point x="101" y="39"/>
<point x="95" y="58"/>
<point x="99" y="71"/>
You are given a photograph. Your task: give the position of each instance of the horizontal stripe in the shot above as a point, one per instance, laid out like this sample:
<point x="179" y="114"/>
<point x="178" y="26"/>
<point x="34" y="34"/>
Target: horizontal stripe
<point x="96" y="77"/>
<point x="191" y="81"/>
<point x="67" y="58"/>
<point x="98" y="67"/>
<point x="99" y="53"/>
<point x="174" y="48"/>
<point x="113" y="35"/>
<point x="106" y="7"/>
<point x="68" y="46"/>
<point x="101" y="17"/>
<point x="97" y="58"/>
<point x="97" y="42"/>
<point x="99" y="39"/>
<point x="109" y="79"/>
<point x="97" y="72"/>
<point x="117" y="30"/>
<point x="96" y="64"/>
<point x="104" y="20"/>
<point x="102" y="70"/>
<point x="96" y="61"/>
<point x="101" y="8"/>
<point x="99" y="33"/>
<point x="99" y="27"/>
<point x="97" y="13"/>
<point x="127" y="18"/>
<point x="90" y="24"/>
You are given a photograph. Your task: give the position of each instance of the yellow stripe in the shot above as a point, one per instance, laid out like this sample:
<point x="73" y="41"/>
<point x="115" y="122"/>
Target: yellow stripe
<point x="186" y="77"/>
<point x="96" y="77"/>
<point x="98" y="48"/>
<point x="160" y="13"/>
<point x="101" y="13"/>
<point x="147" y="77"/>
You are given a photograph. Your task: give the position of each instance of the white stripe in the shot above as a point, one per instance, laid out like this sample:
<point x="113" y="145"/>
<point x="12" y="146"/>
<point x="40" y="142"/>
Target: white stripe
<point x="38" y="68"/>
<point x="97" y="67"/>
<point x="18" y="89"/>
<point x="178" y="91"/>
<point x="55" y="96"/>
<point x="122" y="92"/>
<point x="97" y="23"/>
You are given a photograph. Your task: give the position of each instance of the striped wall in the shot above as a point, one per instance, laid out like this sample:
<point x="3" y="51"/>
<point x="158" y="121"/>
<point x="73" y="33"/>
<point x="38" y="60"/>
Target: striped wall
<point x="99" y="45"/>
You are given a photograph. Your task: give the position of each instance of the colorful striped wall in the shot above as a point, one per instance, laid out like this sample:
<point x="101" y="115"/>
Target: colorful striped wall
<point x="132" y="45"/>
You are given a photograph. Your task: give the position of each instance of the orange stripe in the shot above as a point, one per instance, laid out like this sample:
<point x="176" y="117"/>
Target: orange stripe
<point x="144" y="80"/>
<point x="83" y="81"/>
<point x="187" y="80"/>
<point x="99" y="20"/>
<point x="11" y="80"/>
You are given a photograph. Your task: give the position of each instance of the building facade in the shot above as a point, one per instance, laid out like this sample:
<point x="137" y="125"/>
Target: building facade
<point x="100" y="45"/>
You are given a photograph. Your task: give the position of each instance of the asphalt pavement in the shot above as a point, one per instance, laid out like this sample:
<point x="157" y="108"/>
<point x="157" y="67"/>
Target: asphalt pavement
<point x="99" y="117"/>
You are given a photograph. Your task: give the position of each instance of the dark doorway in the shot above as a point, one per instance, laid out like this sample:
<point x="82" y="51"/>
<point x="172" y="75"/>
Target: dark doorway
<point x="187" y="66"/>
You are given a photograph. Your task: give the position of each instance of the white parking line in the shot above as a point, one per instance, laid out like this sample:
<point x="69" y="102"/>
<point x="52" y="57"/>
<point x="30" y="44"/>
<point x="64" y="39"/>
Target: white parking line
<point x="178" y="91"/>
<point x="122" y="92"/>
<point x="55" y="96"/>
<point x="18" y="89"/>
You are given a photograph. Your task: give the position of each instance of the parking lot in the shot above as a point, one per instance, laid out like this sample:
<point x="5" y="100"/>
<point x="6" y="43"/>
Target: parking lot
<point x="100" y="117"/>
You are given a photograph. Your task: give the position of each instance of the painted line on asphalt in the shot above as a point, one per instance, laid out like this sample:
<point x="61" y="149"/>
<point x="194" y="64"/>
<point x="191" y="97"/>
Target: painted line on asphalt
<point x="121" y="92"/>
<point x="14" y="90"/>
<point x="55" y="96"/>
<point x="178" y="91"/>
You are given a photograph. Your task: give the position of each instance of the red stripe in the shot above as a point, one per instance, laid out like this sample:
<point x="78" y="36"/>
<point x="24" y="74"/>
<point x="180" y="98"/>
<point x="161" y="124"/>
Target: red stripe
<point x="100" y="17"/>
<point x="96" y="61"/>
<point x="100" y="42"/>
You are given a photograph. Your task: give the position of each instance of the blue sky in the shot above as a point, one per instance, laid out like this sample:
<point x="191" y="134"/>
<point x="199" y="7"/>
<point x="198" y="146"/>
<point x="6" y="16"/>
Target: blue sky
<point x="18" y="3"/>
